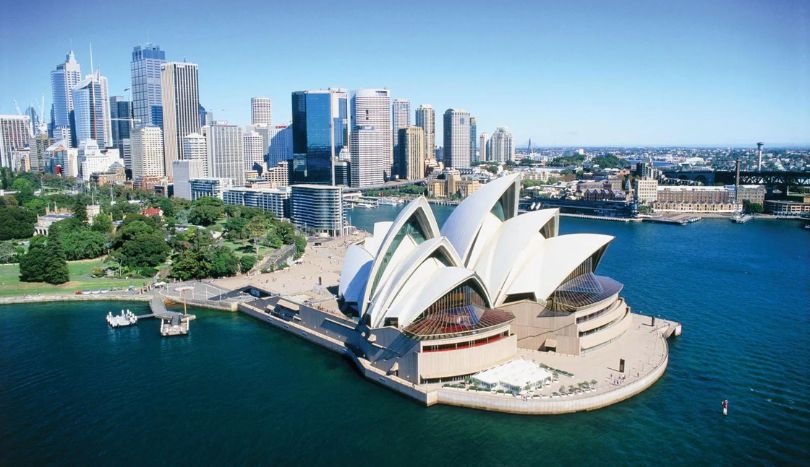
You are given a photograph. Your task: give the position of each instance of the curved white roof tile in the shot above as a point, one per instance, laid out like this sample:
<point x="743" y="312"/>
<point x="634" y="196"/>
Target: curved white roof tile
<point x="465" y="222"/>
<point x="357" y="259"/>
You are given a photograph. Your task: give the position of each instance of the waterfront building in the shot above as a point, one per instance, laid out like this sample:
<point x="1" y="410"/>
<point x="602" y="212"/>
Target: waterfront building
<point x="184" y="171"/>
<point x="787" y="208"/>
<point x="646" y="190"/>
<point x="91" y="110"/>
<point x="209" y="186"/>
<point x="147" y="95"/>
<point x="456" y="138"/>
<point x="281" y="144"/>
<point x="426" y="120"/>
<point x="696" y="199"/>
<point x="400" y="118"/>
<point x="195" y="147"/>
<point x="464" y="299"/>
<point x="500" y="146"/>
<point x="411" y="143"/>
<point x="753" y="194"/>
<point x="181" y="105"/>
<point x="369" y="151"/>
<point x="14" y="135"/>
<point x="254" y="149"/>
<point x="318" y="209"/>
<point x="261" y="111"/>
<point x="121" y="120"/>
<point x="92" y="160"/>
<point x="63" y="79"/>
<point x="473" y="140"/>
<point x="372" y="108"/>
<point x="483" y="147"/>
<point x="273" y="200"/>
<point x="320" y="134"/>
<point x="226" y="158"/>
<point x="147" y="154"/>
<point x="450" y="183"/>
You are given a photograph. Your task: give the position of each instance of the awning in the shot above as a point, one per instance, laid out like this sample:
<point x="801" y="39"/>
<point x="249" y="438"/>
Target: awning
<point x="288" y="305"/>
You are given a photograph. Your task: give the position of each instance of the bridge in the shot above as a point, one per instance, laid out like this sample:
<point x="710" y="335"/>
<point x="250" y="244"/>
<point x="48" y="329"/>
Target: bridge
<point x="771" y="179"/>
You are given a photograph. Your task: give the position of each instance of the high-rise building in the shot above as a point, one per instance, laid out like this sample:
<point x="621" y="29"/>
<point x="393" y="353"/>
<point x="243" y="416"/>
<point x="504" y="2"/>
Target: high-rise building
<point x="121" y="117"/>
<point x="181" y="106"/>
<point x="318" y="208"/>
<point x="411" y="163"/>
<point x="91" y="109"/>
<point x="39" y="144"/>
<point x="261" y="111"/>
<point x="281" y="145"/>
<point x="185" y="171"/>
<point x="15" y="134"/>
<point x="320" y="134"/>
<point x="252" y="143"/>
<point x="226" y="158"/>
<point x="372" y="107"/>
<point x="473" y="140"/>
<point x="195" y="147"/>
<point x="147" y="153"/>
<point x="400" y="118"/>
<point x="483" y="150"/>
<point x="426" y="120"/>
<point x="368" y="156"/>
<point x="33" y="117"/>
<point x="500" y="146"/>
<point x="456" y="138"/>
<point x="147" y="98"/>
<point x="63" y="79"/>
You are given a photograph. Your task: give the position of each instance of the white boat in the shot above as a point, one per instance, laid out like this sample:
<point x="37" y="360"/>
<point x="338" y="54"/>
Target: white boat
<point x="126" y="318"/>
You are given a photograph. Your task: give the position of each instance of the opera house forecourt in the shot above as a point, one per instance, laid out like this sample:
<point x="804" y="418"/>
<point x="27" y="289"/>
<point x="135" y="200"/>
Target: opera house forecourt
<point x="493" y="310"/>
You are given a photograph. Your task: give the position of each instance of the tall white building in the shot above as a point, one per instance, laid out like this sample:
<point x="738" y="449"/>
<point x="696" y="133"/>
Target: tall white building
<point x="181" y="108"/>
<point x="226" y="158"/>
<point x="252" y="143"/>
<point x="483" y="149"/>
<point x="456" y="138"/>
<point x="91" y="110"/>
<point x="14" y="135"/>
<point x="372" y="107"/>
<point x="63" y="79"/>
<point x="146" y="144"/>
<point x="261" y="111"/>
<point x="185" y="171"/>
<point x="195" y="147"/>
<point x="426" y="120"/>
<point x="500" y="145"/>
<point x="281" y="145"/>
<point x="368" y="156"/>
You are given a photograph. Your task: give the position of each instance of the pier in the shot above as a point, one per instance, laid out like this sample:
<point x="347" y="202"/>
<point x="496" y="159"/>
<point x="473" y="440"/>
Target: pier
<point x="172" y="323"/>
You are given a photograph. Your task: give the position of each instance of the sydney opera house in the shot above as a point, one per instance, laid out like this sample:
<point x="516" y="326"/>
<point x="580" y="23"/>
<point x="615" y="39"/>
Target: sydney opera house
<point x="442" y="304"/>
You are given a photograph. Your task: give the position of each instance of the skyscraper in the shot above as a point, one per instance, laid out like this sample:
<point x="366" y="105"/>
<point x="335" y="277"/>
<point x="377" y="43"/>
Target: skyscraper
<point x="14" y="135"/>
<point x="181" y="108"/>
<point x="196" y="148"/>
<point x="483" y="153"/>
<point x="500" y="146"/>
<point x="33" y="117"/>
<point x="147" y="105"/>
<point x="147" y="153"/>
<point x="91" y="110"/>
<point x="368" y="156"/>
<point x="281" y="144"/>
<point x="411" y="163"/>
<point x="400" y="118"/>
<point x="226" y="158"/>
<point x="252" y="143"/>
<point x="320" y="133"/>
<point x="372" y="107"/>
<point x="261" y="111"/>
<point x="63" y="79"/>
<point x="456" y="138"/>
<point x="473" y="140"/>
<point x="121" y="117"/>
<point x="426" y="120"/>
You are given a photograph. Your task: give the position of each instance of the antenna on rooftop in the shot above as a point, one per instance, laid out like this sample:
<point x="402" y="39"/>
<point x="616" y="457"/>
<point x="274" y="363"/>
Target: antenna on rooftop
<point x="92" y="70"/>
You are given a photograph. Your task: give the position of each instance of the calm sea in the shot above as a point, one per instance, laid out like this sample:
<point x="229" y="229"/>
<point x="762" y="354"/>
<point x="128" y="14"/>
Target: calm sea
<point x="237" y="391"/>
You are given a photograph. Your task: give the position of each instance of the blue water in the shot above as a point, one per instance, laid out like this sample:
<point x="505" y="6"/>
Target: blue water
<point x="237" y="391"/>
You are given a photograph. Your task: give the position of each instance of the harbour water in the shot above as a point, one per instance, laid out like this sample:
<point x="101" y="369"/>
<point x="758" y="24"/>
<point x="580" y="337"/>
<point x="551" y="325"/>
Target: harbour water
<point x="236" y="391"/>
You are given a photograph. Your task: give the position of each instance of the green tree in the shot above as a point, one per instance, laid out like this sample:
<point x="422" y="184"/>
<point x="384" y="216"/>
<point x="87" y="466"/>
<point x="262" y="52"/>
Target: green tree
<point x="44" y="262"/>
<point x="10" y="253"/>
<point x="235" y="228"/>
<point x="102" y="224"/>
<point x="83" y="244"/>
<point x="246" y="263"/>
<point x="16" y="222"/>
<point x="139" y="245"/>
<point x="300" y="245"/>
<point x="257" y="228"/>
<point x="754" y="208"/>
<point x="24" y="188"/>
<point x="223" y="262"/>
<point x="206" y="211"/>
<point x="80" y="211"/>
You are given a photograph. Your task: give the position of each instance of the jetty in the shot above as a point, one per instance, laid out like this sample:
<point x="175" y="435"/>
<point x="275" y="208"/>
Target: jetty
<point x="172" y="323"/>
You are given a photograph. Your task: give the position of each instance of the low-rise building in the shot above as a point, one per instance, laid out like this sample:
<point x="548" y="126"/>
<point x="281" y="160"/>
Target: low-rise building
<point x="696" y="199"/>
<point x="451" y="183"/>
<point x="209" y="186"/>
<point x="273" y="200"/>
<point x="318" y="208"/>
<point x="646" y="190"/>
<point x="784" y="208"/>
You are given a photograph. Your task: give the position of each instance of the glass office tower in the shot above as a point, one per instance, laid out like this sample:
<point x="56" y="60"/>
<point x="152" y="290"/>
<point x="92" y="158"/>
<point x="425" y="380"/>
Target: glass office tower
<point x="320" y="134"/>
<point x="146" y="89"/>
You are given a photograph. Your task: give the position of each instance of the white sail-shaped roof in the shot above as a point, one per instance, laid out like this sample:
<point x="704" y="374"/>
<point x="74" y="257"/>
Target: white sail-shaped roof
<point x="354" y="274"/>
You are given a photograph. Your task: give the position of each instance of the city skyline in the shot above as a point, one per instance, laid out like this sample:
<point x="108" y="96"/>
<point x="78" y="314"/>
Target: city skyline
<point x="721" y="74"/>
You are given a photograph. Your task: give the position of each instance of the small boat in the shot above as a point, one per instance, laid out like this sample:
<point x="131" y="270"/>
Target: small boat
<point x="741" y="218"/>
<point x="126" y="318"/>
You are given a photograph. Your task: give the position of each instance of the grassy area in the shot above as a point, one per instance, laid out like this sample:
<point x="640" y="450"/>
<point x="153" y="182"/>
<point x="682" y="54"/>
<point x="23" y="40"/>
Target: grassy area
<point x="246" y="247"/>
<point x="80" y="279"/>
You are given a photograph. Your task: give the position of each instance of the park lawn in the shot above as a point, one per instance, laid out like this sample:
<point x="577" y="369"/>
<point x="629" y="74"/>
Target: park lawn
<point x="239" y="247"/>
<point x="80" y="279"/>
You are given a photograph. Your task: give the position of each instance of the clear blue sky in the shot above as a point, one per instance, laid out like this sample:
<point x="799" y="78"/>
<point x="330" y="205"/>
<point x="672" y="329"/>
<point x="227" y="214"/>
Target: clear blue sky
<point x="563" y="73"/>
